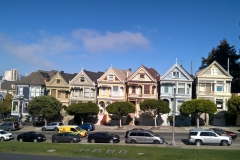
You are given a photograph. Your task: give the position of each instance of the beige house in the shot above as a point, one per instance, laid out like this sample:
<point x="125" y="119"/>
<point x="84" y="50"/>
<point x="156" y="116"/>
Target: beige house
<point x="84" y="87"/>
<point x="214" y="83"/>
<point x="112" y="88"/>
<point x="58" y="87"/>
<point x="143" y="84"/>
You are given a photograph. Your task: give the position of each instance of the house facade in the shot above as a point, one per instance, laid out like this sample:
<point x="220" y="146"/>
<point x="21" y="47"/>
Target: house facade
<point x="28" y="88"/>
<point x="143" y="84"/>
<point x="175" y="88"/>
<point x="112" y="88"/>
<point x="83" y="87"/>
<point x="214" y="83"/>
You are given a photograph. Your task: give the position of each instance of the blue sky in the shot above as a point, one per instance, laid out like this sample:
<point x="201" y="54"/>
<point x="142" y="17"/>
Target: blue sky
<point x="68" y="35"/>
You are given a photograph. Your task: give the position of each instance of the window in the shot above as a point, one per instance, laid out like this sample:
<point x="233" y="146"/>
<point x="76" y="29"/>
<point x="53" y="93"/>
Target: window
<point x="175" y="74"/>
<point x="146" y="89"/>
<point x="103" y="90"/>
<point x="115" y="91"/>
<point x="140" y="134"/>
<point x="165" y="88"/>
<point x="82" y="79"/>
<point x="76" y="93"/>
<point x="219" y="86"/>
<point x="110" y="77"/>
<point x="59" y="94"/>
<point x="32" y="92"/>
<point x="15" y="106"/>
<point x="179" y="103"/>
<point x="133" y="89"/>
<point x="53" y="92"/>
<point x="204" y="134"/>
<point x="153" y="87"/>
<point x="219" y="103"/>
<point x="37" y="92"/>
<point x="66" y="94"/>
<point x="21" y="91"/>
<point x="91" y="93"/>
<point x="188" y="89"/>
<point x="181" y="88"/>
<point x="87" y="92"/>
<point x="202" y="87"/>
<point x="141" y="75"/>
<point x="213" y="86"/>
<point x="58" y="81"/>
<point x="214" y="71"/>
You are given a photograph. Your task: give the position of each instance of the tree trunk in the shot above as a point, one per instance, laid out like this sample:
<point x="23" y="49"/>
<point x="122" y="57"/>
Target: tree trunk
<point x="198" y="116"/>
<point x="155" y="121"/>
<point x="120" y="122"/>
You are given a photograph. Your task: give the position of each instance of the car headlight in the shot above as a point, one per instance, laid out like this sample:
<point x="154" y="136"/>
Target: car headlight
<point x="39" y="137"/>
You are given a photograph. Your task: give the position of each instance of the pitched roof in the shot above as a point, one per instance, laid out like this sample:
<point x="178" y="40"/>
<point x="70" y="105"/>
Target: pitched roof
<point x="121" y="73"/>
<point x="7" y="85"/>
<point x="37" y="78"/>
<point x="67" y="76"/>
<point x="153" y="73"/>
<point x="94" y="75"/>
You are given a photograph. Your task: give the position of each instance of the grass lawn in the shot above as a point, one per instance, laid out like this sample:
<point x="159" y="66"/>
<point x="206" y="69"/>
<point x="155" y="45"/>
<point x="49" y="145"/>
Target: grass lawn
<point x="149" y="152"/>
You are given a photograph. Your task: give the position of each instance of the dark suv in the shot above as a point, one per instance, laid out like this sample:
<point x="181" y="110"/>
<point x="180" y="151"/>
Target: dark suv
<point x="10" y="126"/>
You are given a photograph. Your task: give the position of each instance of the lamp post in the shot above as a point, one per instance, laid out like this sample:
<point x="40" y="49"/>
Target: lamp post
<point x="173" y="112"/>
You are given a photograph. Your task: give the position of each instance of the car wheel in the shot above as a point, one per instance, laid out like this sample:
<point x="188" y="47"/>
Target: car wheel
<point x="111" y="141"/>
<point x="71" y="141"/>
<point x="89" y="129"/>
<point x="93" y="141"/>
<point x="133" y="141"/>
<point x="198" y="142"/>
<point x="56" y="129"/>
<point x="55" y="141"/>
<point x="224" y="143"/>
<point x="20" y="140"/>
<point x="35" y="140"/>
<point x="43" y="129"/>
<point x="2" y="139"/>
<point x="156" y="142"/>
<point x="9" y="130"/>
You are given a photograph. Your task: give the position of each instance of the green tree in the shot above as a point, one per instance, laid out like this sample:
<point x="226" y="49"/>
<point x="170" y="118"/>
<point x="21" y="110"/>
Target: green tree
<point x="154" y="108"/>
<point x="47" y="106"/>
<point x="82" y="110"/>
<point x="6" y="104"/>
<point x="121" y="109"/>
<point x="233" y="105"/>
<point x="197" y="107"/>
<point x="221" y="54"/>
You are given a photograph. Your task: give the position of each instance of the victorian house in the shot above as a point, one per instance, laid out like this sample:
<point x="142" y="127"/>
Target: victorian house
<point x="29" y="87"/>
<point x="83" y="87"/>
<point x="143" y="84"/>
<point x="112" y="88"/>
<point x="176" y="87"/>
<point x="214" y="83"/>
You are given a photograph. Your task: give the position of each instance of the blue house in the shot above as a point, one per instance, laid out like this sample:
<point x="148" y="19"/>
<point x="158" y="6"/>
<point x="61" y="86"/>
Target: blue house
<point x="29" y="87"/>
<point x="175" y="88"/>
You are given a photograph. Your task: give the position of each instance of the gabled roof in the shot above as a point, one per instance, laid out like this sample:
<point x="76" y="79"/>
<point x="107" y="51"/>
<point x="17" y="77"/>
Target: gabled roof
<point x="67" y="76"/>
<point x="202" y="71"/>
<point x="36" y="78"/>
<point x="150" y="71"/>
<point x="181" y="69"/>
<point x="7" y="85"/>
<point x="121" y="74"/>
<point x="93" y="75"/>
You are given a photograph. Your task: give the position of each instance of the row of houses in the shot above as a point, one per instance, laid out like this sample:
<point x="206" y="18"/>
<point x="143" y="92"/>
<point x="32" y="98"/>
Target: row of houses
<point x="103" y="88"/>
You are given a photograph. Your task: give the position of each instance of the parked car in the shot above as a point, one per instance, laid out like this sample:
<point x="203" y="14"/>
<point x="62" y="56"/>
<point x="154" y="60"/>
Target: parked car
<point x="31" y="137"/>
<point x="74" y="129"/>
<point x="200" y="136"/>
<point x="53" y="126"/>
<point x="66" y="137"/>
<point x="103" y="137"/>
<point x="10" y="126"/>
<point x="222" y="132"/>
<point x="143" y="136"/>
<point x="87" y="126"/>
<point x="4" y="136"/>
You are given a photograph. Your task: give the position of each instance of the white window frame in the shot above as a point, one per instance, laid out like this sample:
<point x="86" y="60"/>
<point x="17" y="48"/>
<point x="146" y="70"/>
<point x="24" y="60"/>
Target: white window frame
<point x="219" y="85"/>
<point x="115" y="91"/>
<point x="165" y="88"/>
<point x="37" y="92"/>
<point x="104" y="90"/>
<point x="32" y="93"/>
<point x="82" y="79"/>
<point x="214" y="71"/>
<point x="76" y="93"/>
<point x="20" y="90"/>
<point x="86" y="92"/>
<point x="175" y="74"/>
<point x="110" y="77"/>
<point x="202" y="87"/>
<point x="181" y="88"/>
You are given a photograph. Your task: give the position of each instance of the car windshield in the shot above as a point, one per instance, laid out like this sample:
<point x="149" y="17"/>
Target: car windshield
<point x="154" y="134"/>
<point x="3" y="132"/>
<point x="79" y="128"/>
<point x="34" y="133"/>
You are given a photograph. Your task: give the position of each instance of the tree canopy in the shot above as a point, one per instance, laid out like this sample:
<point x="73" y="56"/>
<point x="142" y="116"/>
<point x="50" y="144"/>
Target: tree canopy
<point x="155" y="107"/>
<point x="233" y="105"/>
<point x="46" y="106"/>
<point x="221" y="54"/>
<point x="6" y="104"/>
<point x="121" y="109"/>
<point x="197" y="107"/>
<point x="83" y="110"/>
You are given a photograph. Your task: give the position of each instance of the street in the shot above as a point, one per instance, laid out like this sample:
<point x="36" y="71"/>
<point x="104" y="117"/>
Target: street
<point x="180" y="137"/>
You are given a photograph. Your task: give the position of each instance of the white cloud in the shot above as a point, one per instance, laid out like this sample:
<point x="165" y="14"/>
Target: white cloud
<point x="119" y="42"/>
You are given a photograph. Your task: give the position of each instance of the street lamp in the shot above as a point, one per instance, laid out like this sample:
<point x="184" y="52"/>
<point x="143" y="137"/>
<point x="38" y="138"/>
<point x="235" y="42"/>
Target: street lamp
<point x="173" y="112"/>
